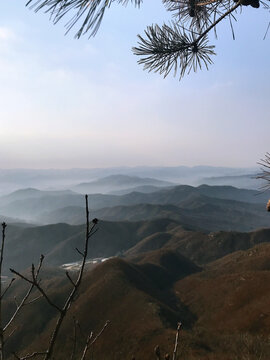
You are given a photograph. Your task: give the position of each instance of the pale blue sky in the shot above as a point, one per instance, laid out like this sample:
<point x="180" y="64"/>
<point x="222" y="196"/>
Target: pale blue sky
<point x="86" y="103"/>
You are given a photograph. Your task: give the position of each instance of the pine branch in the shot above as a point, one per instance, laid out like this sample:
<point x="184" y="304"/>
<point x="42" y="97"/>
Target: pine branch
<point x="172" y="48"/>
<point x="89" y="13"/>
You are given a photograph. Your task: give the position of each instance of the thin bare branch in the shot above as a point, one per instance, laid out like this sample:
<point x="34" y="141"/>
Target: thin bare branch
<point x="100" y="333"/>
<point x="176" y="341"/>
<point x="7" y="288"/>
<point x="30" y="356"/>
<point x="24" y="299"/>
<point x="79" y="251"/>
<point x="36" y="284"/>
<point x="69" y="278"/>
<point x="33" y="300"/>
<point x="9" y="335"/>
<point x="89" y="343"/>
<point x="89" y="232"/>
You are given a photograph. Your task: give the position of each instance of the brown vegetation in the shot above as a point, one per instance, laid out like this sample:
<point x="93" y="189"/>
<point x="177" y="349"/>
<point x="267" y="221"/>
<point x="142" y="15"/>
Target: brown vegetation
<point x="224" y="308"/>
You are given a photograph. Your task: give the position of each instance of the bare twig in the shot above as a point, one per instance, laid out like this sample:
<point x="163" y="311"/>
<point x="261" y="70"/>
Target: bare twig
<point x="69" y="278"/>
<point x="100" y="333"/>
<point x="176" y="341"/>
<point x="29" y="356"/>
<point x="36" y="283"/>
<point x="33" y="300"/>
<point x="7" y="288"/>
<point x="79" y="251"/>
<point x="20" y="305"/>
<point x="23" y="301"/>
<point x="87" y="345"/>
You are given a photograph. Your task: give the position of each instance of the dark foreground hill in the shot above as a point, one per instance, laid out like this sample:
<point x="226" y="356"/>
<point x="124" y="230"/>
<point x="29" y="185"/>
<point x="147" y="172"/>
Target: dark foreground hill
<point x="203" y="214"/>
<point x="224" y="308"/>
<point x="58" y="242"/>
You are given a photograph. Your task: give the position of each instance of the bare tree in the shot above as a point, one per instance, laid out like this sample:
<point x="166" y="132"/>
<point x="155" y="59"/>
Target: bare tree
<point x="35" y="283"/>
<point x="180" y="46"/>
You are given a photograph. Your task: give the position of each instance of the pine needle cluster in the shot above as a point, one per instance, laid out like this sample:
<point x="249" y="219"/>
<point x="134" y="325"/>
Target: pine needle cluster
<point x="181" y="46"/>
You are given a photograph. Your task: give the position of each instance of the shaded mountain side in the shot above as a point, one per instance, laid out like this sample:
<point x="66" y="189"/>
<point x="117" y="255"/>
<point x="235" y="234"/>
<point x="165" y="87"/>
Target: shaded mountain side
<point x="140" y="310"/>
<point x="170" y="263"/>
<point x="58" y="242"/>
<point x="196" y="212"/>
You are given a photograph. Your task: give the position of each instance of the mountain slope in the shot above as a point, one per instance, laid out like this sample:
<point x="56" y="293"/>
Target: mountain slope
<point x="216" y="205"/>
<point x="224" y="308"/>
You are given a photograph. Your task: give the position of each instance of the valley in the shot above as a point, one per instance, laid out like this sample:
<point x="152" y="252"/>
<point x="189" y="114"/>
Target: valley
<point x="195" y="254"/>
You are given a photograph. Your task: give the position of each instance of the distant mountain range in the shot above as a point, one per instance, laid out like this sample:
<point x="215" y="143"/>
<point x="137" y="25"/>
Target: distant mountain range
<point x="114" y="183"/>
<point x="247" y="181"/>
<point x="55" y="179"/>
<point x="205" y="207"/>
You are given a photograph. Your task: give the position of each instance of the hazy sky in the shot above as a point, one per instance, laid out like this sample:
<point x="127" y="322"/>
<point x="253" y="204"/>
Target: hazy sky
<point x="86" y="103"/>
